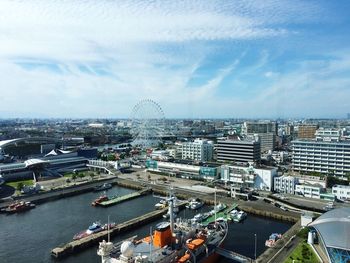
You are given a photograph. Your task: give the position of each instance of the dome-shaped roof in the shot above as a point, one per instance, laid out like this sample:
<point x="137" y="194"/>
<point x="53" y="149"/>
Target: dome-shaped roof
<point x="334" y="228"/>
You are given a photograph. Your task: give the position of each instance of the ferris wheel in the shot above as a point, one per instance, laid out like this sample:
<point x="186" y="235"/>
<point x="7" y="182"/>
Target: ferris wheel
<point x="147" y="123"/>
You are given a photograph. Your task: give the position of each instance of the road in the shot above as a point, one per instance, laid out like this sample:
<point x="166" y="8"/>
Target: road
<point x="284" y="253"/>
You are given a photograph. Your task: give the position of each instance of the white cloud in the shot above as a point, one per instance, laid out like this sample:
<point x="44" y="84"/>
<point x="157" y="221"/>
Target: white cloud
<point x="130" y="50"/>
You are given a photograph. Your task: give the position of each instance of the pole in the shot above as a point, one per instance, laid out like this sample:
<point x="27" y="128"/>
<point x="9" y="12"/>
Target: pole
<point x="255" y="247"/>
<point x="215" y="203"/>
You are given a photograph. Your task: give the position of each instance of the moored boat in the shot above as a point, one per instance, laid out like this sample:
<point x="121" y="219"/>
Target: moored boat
<point x="94" y="228"/>
<point x="103" y="187"/>
<point x="99" y="200"/>
<point x="271" y="242"/>
<point x="178" y="242"/>
<point x="18" y="206"/>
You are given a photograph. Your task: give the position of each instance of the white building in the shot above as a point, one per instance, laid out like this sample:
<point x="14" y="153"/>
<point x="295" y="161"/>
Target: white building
<point x="342" y="192"/>
<point x="198" y="150"/>
<point x="310" y="191"/>
<point x="285" y="184"/>
<point x="328" y="135"/>
<point x="249" y="176"/>
<point x="321" y="156"/>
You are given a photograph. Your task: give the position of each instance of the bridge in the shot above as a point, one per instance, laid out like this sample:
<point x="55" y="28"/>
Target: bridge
<point x="233" y="255"/>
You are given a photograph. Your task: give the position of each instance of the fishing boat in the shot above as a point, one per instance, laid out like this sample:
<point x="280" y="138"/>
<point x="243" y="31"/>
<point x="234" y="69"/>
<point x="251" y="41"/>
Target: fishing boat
<point x="161" y="204"/>
<point x="271" y="242"/>
<point x="102" y="187"/>
<point x="194" y="204"/>
<point x="100" y="199"/>
<point x="177" y="242"/>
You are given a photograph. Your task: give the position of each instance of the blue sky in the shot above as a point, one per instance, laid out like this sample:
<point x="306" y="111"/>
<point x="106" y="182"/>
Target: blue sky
<point x="254" y="59"/>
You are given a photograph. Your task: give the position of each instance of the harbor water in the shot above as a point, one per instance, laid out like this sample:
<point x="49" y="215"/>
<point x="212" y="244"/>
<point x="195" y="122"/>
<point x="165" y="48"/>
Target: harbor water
<point x="30" y="236"/>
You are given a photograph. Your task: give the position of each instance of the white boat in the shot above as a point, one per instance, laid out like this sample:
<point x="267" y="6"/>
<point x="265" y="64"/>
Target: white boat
<point x="194" y="204"/>
<point x="199" y="218"/>
<point x="162" y="204"/>
<point x="240" y="216"/>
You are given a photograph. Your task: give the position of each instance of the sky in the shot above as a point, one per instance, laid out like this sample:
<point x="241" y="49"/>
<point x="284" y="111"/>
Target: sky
<point x="196" y="59"/>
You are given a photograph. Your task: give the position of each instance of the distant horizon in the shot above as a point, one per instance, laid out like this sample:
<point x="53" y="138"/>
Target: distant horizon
<point x="276" y="59"/>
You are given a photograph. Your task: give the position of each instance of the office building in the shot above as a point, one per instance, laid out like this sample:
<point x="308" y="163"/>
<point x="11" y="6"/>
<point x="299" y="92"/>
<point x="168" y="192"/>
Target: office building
<point x="285" y="184"/>
<point x="198" y="150"/>
<point x="247" y="150"/>
<point x="260" y="178"/>
<point x="341" y="192"/>
<point x="307" y="131"/>
<point x="328" y="135"/>
<point x="267" y="132"/>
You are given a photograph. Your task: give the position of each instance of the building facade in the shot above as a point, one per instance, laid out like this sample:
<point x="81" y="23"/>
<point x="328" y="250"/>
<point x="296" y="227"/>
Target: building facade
<point x="249" y="176"/>
<point x="267" y="132"/>
<point x="342" y="192"/>
<point x="321" y="156"/>
<point x="238" y="151"/>
<point x="307" y="131"/>
<point x="198" y="150"/>
<point x="183" y="169"/>
<point x="309" y="191"/>
<point x="285" y="184"/>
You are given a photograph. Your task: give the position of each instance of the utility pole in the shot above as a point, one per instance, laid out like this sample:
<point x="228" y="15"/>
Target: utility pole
<point x="255" y="237"/>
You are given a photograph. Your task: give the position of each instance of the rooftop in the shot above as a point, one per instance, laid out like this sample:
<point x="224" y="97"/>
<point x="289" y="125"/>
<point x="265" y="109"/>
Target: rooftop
<point x="334" y="228"/>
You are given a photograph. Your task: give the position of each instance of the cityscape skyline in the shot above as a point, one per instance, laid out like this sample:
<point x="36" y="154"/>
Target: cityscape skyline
<point x="217" y="59"/>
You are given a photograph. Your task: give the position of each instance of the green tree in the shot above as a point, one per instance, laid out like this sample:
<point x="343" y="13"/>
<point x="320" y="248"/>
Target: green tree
<point x="111" y="157"/>
<point x="81" y="175"/>
<point x="19" y="186"/>
<point x="92" y="175"/>
<point x="74" y="177"/>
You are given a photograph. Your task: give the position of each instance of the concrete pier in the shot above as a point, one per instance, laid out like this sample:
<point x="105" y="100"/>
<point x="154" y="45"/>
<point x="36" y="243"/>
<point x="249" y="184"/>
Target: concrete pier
<point x="78" y="245"/>
<point x="123" y="198"/>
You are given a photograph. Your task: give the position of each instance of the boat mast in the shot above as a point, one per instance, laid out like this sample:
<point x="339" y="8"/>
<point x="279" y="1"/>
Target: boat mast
<point x="171" y="203"/>
<point x="215" y="203"/>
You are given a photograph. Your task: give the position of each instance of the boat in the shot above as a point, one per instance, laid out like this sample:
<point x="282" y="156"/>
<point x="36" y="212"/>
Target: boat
<point x="162" y="204"/>
<point x="99" y="200"/>
<point x="17" y="207"/>
<point x="271" y="242"/>
<point x="198" y="218"/>
<point x="102" y="187"/>
<point x="239" y="216"/>
<point x="194" y="204"/>
<point x="218" y="208"/>
<point x="178" y="241"/>
<point x="94" y="228"/>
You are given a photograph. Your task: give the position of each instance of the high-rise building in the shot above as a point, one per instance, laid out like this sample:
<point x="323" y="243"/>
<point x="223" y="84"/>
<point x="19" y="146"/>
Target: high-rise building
<point x="326" y="157"/>
<point x="198" y="150"/>
<point x="267" y="132"/>
<point x="307" y="131"/>
<point x="247" y="150"/>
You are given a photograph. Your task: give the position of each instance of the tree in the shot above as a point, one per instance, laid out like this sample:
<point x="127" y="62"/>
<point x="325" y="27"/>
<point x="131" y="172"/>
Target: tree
<point x="74" y="177"/>
<point x="81" y="175"/>
<point x="92" y="175"/>
<point x="19" y="186"/>
<point x="149" y="177"/>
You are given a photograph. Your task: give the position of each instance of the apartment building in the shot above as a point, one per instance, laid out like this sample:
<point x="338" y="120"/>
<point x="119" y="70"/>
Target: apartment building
<point x="326" y="157"/>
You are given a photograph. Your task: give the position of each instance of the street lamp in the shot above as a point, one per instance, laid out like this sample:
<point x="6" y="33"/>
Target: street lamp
<point x="255" y="237"/>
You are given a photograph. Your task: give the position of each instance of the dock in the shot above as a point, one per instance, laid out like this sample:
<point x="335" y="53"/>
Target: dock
<point x="235" y="257"/>
<point x="123" y="198"/>
<point x="89" y="241"/>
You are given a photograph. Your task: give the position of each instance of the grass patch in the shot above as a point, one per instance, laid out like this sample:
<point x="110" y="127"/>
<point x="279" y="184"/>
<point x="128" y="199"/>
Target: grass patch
<point x="303" y="253"/>
<point x="24" y="182"/>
